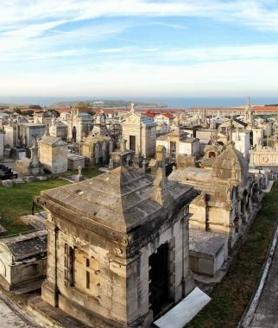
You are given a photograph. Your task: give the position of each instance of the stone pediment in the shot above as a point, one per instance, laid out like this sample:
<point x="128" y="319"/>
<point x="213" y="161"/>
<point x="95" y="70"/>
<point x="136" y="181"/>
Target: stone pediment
<point x="133" y="118"/>
<point x="138" y="118"/>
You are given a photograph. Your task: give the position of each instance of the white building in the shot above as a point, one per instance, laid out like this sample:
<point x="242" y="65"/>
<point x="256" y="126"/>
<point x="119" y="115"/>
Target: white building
<point x="258" y="136"/>
<point x="53" y="154"/>
<point x="79" y="125"/>
<point x="163" y="122"/>
<point x="139" y="131"/>
<point x="176" y="143"/>
<point x="241" y="138"/>
<point x="11" y="135"/>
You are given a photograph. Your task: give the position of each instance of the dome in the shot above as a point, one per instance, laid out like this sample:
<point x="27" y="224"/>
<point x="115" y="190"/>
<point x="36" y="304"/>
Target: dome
<point x="231" y="164"/>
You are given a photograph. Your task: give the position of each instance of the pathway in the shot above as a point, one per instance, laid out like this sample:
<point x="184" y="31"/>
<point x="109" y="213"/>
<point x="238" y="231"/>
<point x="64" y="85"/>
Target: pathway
<point x="9" y="318"/>
<point x="266" y="314"/>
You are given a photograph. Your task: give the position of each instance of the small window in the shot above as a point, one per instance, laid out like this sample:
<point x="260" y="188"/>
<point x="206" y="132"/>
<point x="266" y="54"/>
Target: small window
<point x="87" y="279"/>
<point x="87" y="262"/>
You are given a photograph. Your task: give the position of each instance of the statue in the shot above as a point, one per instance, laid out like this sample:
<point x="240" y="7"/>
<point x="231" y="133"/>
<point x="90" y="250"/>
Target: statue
<point x="34" y="153"/>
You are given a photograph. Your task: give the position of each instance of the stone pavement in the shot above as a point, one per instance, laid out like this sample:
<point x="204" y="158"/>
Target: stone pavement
<point x="9" y="318"/>
<point x="266" y="314"/>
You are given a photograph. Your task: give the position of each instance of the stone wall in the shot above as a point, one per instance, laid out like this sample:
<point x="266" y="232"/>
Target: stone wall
<point x="1" y="145"/>
<point x="54" y="158"/>
<point x="118" y="290"/>
<point x="263" y="157"/>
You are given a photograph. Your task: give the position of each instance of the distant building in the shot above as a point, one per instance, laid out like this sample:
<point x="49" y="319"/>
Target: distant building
<point x="229" y="199"/>
<point x="241" y="139"/>
<point x="53" y="154"/>
<point x="176" y="143"/>
<point x="139" y="131"/>
<point x="96" y="149"/>
<point x="79" y="125"/>
<point x="58" y="129"/>
<point x="29" y="131"/>
<point x="43" y="117"/>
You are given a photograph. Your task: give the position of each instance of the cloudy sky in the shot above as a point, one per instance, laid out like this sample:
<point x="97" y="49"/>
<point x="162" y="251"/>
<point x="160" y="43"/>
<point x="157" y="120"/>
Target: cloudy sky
<point x="138" y="47"/>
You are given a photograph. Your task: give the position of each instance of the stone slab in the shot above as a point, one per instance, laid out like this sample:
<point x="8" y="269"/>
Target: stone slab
<point x="184" y="311"/>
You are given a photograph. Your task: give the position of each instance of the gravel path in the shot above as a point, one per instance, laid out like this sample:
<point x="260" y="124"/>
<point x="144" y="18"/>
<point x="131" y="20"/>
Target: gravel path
<point x="266" y="314"/>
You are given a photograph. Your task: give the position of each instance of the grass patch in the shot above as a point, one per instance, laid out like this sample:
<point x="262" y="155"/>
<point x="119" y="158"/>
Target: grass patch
<point x="88" y="172"/>
<point x="18" y="200"/>
<point x="232" y="295"/>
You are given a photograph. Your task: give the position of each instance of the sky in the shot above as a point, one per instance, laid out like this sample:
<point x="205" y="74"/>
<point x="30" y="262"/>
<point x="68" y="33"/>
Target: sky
<point x="140" y="48"/>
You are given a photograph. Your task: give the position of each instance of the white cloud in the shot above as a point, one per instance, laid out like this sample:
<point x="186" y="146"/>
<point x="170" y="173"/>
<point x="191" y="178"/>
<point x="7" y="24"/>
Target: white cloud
<point x="115" y="79"/>
<point x="255" y="13"/>
<point x="33" y="30"/>
<point x="221" y="53"/>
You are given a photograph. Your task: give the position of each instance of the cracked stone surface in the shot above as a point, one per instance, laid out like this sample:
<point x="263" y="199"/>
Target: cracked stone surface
<point x="9" y="319"/>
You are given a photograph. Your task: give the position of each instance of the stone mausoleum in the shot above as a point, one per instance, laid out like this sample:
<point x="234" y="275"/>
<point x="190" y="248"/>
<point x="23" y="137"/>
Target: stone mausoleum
<point x="139" y="131"/>
<point x="228" y="201"/>
<point x="118" y="251"/>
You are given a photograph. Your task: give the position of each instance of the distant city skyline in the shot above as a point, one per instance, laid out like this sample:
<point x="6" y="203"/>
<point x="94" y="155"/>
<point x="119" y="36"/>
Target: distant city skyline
<point x="139" y="48"/>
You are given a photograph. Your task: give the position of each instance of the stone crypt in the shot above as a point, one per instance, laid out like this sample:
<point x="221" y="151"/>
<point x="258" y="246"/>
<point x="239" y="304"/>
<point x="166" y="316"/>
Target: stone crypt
<point x="118" y="249"/>
<point x="229" y="199"/>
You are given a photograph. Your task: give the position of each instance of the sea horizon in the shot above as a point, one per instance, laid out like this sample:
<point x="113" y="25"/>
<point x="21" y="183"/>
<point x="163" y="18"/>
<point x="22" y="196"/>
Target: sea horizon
<point x="170" y="102"/>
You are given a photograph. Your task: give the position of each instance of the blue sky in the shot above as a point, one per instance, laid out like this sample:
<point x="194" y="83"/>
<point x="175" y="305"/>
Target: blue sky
<point x="138" y="48"/>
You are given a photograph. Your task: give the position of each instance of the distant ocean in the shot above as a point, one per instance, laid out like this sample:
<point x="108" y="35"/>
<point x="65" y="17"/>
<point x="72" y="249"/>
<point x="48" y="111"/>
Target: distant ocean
<point x="180" y="102"/>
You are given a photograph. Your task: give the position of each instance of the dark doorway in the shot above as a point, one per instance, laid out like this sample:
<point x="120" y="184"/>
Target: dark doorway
<point x="159" y="279"/>
<point x="173" y="149"/>
<point x="212" y="154"/>
<point x="132" y="142"/>
<point x="74" y="132"/>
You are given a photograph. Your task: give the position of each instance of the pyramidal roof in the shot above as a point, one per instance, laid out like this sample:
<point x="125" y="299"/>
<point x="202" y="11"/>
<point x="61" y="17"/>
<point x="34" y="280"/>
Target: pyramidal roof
<point x="120" y="199"/>
<point x="230" y="164"/>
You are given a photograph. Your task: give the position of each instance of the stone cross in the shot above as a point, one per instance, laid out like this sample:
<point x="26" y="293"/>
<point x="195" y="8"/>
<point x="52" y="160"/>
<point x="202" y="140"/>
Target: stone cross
<point x="132" y="110"/>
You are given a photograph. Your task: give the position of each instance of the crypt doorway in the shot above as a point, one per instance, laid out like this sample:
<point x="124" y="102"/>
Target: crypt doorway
<point x="159" y="287"/>
<point x="132" y="143"/>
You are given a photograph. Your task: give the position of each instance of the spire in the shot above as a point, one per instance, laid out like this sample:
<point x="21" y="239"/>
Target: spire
<point x="249" y="113"/>
<point x="230" y="132"/>
<point x="160" y="193"/>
